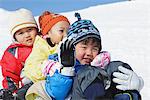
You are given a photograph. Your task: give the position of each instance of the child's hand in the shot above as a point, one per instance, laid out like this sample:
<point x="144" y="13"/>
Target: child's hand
<point x="101" y="60"/>
<point x="66" y="57"/>
<point x="66" y="53"/>
<point x="127" y="79"/>
<point x="50" y="67"/>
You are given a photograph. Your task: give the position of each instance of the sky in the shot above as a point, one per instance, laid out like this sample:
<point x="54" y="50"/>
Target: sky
<point x="124" y="29"/>
<point x="57" y="6"/>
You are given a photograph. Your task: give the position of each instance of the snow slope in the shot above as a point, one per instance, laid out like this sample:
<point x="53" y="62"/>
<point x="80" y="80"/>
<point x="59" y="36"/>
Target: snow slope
<point x="124" y="28"/>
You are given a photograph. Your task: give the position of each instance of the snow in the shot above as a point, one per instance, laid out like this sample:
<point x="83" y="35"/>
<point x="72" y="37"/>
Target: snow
<point x="124" y="29"/>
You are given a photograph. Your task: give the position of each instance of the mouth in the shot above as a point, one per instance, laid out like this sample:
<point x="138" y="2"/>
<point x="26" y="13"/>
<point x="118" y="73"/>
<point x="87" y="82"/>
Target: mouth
<point x="29" y="40"/>
<point x="87" y="60"/>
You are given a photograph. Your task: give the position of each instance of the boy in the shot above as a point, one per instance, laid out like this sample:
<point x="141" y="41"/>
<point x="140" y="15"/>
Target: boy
<point x="53" y="28"/>
<point x="86" y="84"/>
<point x="23" y="29"/>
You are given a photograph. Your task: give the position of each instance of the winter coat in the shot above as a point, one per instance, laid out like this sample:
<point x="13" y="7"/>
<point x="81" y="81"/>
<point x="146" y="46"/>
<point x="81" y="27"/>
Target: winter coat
<point x="86" y="76"/>
<point x="58" y="82"/>
<point x="86" y="87"/>
<point x="12" y="63"/>
<point x="64" y="83"/>
<point x="48" y="89"/>
<point x="40" y="52"/>
<point x="89" y="74"/>
<point x="113" y="92"/>
<point x="37" y="90"/>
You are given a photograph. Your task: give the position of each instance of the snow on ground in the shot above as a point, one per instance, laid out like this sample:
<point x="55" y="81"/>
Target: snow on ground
<point x="124" y="28"/>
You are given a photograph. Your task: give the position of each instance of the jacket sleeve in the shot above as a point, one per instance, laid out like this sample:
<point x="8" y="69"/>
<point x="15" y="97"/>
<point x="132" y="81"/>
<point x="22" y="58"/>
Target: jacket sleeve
<point x="34" y="63"/>
<point x="58" y="86"/>
<point x="128" y="95"/>
<point x="11" y="69"/>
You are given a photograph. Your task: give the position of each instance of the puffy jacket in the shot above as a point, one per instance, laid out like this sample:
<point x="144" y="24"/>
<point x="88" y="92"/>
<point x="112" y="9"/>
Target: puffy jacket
<point x="40" y="52"/>
<point x="115" y="93"/>
<point x="58" y="82"/>
<point x="37" y="90"/>
<point x="12" y="63"/>
<point x="89" y="83"/>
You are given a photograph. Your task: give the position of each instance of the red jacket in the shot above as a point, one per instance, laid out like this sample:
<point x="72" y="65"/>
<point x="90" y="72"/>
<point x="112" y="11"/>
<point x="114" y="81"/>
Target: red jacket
<point x="12" y="65"/>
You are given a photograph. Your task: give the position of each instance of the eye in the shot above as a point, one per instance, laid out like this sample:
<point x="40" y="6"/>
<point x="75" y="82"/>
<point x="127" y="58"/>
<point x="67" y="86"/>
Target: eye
<point x="95" y="49"/>
<point x="29" y="29"/>
<point x="61" y="31"/>
<point x="19" y="33"/>
<point x="84" y="46"/>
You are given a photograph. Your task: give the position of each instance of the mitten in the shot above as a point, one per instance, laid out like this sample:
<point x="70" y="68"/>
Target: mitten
<point x="127" y="79"/>
<point x="66" y="57"/>
<point x="50" y="66"/>
<point x="101" y="60"/>
<point x="6" y="94"/>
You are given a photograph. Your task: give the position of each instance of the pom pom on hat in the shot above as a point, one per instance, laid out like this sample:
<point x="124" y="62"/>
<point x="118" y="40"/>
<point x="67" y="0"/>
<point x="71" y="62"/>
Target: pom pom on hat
<point x="47" y="20"/>
<point x="20" y="19"/>
<point x="82" y="29"/>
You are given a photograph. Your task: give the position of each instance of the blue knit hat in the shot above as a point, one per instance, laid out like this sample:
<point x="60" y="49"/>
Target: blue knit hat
<point x="82" y="29"/>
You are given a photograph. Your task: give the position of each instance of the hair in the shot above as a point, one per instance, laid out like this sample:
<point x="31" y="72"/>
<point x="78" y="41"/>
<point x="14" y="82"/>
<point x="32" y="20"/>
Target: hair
<point x="94" y="40"/>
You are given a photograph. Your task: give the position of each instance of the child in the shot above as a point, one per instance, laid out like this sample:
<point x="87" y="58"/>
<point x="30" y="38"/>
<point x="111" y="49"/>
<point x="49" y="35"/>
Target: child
<point x="90" y="82"/>
<point x="54" y="28"/>
<point x="23" y="29"/>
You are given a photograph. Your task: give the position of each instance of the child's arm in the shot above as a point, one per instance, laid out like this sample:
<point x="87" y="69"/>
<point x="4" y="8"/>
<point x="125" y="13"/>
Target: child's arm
<point x="59" y="73"/>
<point x="56" y="81"/>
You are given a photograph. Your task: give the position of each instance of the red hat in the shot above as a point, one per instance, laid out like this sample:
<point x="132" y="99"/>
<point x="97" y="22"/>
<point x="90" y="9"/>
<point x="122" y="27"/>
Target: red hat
<point x="47" y="20"/>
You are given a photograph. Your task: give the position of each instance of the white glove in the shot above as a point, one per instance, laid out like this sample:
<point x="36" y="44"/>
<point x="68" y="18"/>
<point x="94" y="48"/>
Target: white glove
<point x="127" y="79"/>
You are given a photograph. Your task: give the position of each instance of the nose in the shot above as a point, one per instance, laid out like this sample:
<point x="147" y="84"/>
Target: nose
<point x="89" y="52"/>
<point x="27" y="34"/>
<point x="63" y="36"/>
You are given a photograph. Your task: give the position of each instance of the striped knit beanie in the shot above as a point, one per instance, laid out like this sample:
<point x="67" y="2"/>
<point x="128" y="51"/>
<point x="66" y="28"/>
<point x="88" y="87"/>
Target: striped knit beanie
<point x="82" y="29"/>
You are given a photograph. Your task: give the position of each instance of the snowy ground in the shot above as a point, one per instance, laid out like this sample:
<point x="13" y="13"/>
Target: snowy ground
<point x="124" y="28"/>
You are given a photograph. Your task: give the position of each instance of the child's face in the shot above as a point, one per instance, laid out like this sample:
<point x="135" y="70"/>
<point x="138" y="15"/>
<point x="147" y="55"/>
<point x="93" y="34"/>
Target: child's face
<point x="86" y="51"/>
<point x="58" y="31"/>
<point x="26" y="36"/>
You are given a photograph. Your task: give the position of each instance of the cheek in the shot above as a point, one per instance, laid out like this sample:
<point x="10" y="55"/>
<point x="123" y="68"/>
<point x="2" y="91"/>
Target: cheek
<point x="19" y="39"/>
<point x="33" y="35"/>
<point x="65" y="34"/>
<point x="79" y="55"/>
<point x="95" y="54"/>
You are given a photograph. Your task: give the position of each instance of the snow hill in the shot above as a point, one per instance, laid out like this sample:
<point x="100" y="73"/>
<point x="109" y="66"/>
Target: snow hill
<point x="124" y="29"/>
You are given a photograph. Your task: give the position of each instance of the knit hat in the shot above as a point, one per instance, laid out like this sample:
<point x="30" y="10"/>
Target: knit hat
<point x="82" y="29"/>
<point x="20" y="19"/>
<point x="47" y="20"/>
